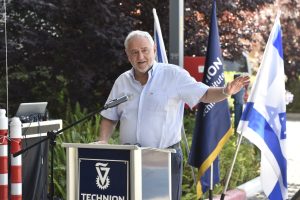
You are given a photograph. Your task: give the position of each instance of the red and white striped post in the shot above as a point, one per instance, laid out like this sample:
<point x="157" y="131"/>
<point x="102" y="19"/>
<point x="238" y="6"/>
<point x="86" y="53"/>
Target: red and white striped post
<point x="16" y="162"/>
<point x="3" y="156"/>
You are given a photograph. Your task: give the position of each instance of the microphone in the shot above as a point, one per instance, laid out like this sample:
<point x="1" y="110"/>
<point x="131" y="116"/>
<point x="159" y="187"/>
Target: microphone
<point x="116" y="102"/>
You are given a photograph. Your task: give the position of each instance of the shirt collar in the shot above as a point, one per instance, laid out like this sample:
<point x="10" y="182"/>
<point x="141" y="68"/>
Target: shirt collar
<point x="150" y="71"/>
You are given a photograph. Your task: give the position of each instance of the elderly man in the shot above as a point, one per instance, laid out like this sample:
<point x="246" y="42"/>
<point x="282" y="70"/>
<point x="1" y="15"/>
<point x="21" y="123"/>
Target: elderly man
<point x="153" y="115"/>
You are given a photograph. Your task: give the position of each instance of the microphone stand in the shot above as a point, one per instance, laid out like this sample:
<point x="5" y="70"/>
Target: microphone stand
<point x="51" y="135"/>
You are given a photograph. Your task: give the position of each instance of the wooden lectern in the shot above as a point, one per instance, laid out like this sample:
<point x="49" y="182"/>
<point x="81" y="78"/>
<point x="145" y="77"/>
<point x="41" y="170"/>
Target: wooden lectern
<point x="126" y="172"/>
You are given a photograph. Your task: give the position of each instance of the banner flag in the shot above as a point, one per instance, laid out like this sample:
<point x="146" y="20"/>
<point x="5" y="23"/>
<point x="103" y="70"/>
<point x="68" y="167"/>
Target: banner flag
<point x="212" y="128"/>
<point x="263" y="121"/>
<point x="161" y="55"/>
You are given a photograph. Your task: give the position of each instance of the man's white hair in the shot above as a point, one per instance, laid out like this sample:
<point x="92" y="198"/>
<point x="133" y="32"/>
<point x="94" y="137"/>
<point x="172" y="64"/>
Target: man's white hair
<point x="138" y="33"/>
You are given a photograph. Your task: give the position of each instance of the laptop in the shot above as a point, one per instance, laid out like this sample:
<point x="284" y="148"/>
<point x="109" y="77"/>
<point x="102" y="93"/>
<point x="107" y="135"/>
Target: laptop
<point x="31" y="109"/>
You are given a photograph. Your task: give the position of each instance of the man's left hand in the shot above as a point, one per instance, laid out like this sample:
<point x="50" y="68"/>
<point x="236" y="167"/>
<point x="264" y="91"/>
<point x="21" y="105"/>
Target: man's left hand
<point x="237" y="84"/>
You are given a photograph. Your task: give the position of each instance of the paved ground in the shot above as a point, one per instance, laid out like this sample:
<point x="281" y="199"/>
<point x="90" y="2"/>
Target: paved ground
<point x="293" y="159"/>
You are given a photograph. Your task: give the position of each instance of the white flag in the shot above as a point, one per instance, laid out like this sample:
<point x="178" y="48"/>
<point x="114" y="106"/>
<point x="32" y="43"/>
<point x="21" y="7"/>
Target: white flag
<point x="161" y="55"/>
<point x="263" y="121"/>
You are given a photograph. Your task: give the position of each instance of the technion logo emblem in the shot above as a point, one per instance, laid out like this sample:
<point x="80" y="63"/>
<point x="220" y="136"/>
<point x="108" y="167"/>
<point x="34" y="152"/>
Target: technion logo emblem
<point x="102" y="179"/>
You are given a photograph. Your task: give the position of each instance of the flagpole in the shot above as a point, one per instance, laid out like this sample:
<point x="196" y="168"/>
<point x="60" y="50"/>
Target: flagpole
<point x="232" y="165"/>
<point x="164" y="59"/>
<point x="209" y="139"/>
<point x="266" y="110"/>
<point x="211" y="181"/>
<point x="161" y="54"/>
<point x="188" y="152"/>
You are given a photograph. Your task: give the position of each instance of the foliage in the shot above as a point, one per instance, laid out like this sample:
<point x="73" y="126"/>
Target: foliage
<point x="188" y="187"/>
<point x="246" y="166"/>
<point x="294" y="86"/>
<point x="291" y="37"/>
<point x="74" y="49"/>
<point x="64" y="50"/>
<point x="236" y="26"/>
<point x="85" y="132"/>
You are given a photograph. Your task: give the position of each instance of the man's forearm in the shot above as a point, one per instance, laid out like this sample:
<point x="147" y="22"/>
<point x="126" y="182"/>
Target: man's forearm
<point x="106" y="129"/>
<point x="214" y="94"/>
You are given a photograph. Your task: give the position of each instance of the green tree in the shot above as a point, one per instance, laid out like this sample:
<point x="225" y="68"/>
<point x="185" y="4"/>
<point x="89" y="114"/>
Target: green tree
<point x="64" y="50"/>
<point x="60" y="51"/>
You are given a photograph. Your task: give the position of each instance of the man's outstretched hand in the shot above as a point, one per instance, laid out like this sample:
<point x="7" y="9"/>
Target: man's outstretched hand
<point x="236" y="85"/>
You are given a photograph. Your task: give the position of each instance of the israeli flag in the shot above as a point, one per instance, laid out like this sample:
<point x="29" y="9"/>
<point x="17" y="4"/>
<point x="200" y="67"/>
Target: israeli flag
<point x="263" y="121"/>
<point x="161" y="55"/>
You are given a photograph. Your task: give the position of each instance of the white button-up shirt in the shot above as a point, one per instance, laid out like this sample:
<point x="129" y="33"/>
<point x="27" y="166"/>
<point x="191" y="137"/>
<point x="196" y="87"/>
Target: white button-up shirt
<point x="153" y="115"/>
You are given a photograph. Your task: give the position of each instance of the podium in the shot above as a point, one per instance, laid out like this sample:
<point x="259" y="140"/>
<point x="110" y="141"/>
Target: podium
<point x="126" y="172"/>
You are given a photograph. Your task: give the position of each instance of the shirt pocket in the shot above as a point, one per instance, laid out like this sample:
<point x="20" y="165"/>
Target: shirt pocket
<point x="158" y="101"/>
<point x="155" y="101"/>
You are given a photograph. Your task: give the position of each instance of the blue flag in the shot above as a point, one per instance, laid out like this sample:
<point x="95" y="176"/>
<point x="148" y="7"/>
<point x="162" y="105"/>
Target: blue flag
<point x="161" y="55"/>
<point x="263" y="121"/>
<point x="212" y="128"/>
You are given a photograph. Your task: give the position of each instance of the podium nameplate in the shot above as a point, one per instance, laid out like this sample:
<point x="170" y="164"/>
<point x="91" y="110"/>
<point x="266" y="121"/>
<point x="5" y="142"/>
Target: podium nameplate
<point x="103" y="178"/>
<point x="123" y="172"/>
